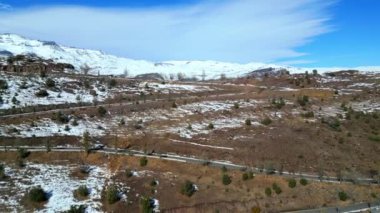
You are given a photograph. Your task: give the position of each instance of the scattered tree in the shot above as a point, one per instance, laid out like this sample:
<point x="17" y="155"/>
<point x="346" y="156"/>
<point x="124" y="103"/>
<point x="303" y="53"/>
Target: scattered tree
<point x="50" y="83"/>
<point x="86" y="141"/>
<point x="188" y="188"/>
<point x="268" y="191"/>
<point x="266" y="121"/>
<point x="76" y="209"/>
<point x="42" y="93"/>
<point x="342" y="196"/>
<point x="292" y="183"/>
<point x="226" y="179"/>
<point x="82" y="191"/>
<point x="112" y="194"/>
<point x="37" y="194"/>
<point x="143" y="161"/>
<point x="303" y="182"/>
<point x="102" y="111"/>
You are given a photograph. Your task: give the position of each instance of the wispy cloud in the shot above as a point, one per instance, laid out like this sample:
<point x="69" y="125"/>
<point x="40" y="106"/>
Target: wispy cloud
<point x="229" y="30"/>
<point x="5" y="6"/>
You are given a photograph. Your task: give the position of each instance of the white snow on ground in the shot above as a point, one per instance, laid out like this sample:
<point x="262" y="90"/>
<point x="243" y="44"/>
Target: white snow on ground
<point x="202" y="145"/>
<point x="368" y="85"/>
<point x="46" y="127"/>
<point x="366" y="106"/>
<point x="56" y="181"/>
<point x="202" y="127"/>
<point x="26" y="97"/>
<point x="174" y="88"/>
<point x="328" y="79"/>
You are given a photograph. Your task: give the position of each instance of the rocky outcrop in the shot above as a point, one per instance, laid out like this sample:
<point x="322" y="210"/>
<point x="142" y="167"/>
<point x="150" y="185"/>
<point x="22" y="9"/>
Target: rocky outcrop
<point x="26" y="64"/>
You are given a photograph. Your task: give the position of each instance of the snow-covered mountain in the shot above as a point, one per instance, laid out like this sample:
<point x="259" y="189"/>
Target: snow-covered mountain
<point x="106" y="64"/>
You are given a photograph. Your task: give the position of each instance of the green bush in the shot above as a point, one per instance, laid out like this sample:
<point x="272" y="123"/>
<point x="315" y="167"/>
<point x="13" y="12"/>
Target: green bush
<point x="247" y="175"/>
<point x="3" y="84"/>
<point x="266" y="121"/>
<point x="23" y="153"/>
<point x="188" y="188"/>
<point x="276" y="188"/>
<point x="50" y="83"/>
<point x="82" y="191"/>
<point x="374" y="138"/>
<point x="226" y="179"/>
<point x="303" y="182"/>
<point x="2" y="171"/>
<point x="77" y="209"/>
<point x="37" y="194"/>
<point x="102" y="111"/>
<point x="143" y="161"/>
<point x="268" y="191"/>
<point x="343" y="196"/>
<point x="210" y="126"/>
<point x="112" y="194"/>
<point x="292" y="183"/>
<point x="42" y="93"/>
<point x="146" y="206"/>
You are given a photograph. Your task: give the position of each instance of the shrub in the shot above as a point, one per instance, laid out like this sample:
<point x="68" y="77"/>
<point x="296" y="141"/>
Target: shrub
<point x="248" y="122"/>
<point x="374" y="138"/>
<point x="60" y="117"/>
<point x="128" y="173"/>
<point x="82" y="191"/>
<point x="303" y="182"/>
<point x="50" y="83"/>
<point x="75" y="122"/>
<point x="236" y="105"/>
<point x="266" y="121"/>
<point x="3" y="84"/>
<point x="102" y="111"/>
<point x="112" y="194"/>
<point x="122" y="122"/>
<point x="143" y="161"/>
<point x="210" y="126"/>
<point x="302" y="101"/>
<point x="276" y="188"/>
<point x="2" y="171"/>
<point x="308" y="114"/>
<point x="112" y="83"/>
<point x="23" y="153"/>
<point x="268" y="191"/>
<point x="42" y="93"/>
<point x="226" y="179"/>
<point x="174" y="104"/>
<point x="37" y="194"/>
<point x="292" y="183"/>
<point x="77" y="209"/>
<point x="146" y="205"/>
<point x="188" y="188"/>
<point x="247" y="175"/>
<point x="343" y="196"/>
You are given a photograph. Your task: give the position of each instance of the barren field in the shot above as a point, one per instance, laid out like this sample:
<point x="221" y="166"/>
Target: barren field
<point x="320" y="125"/>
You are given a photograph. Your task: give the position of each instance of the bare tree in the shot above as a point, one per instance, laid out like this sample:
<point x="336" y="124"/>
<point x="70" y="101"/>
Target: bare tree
<point x="171" y="76"/>
<point x="85" y="69"/>
<point x="223" y="76"/>
<point x="180" y="76"/>
<point x="126" y="72"/>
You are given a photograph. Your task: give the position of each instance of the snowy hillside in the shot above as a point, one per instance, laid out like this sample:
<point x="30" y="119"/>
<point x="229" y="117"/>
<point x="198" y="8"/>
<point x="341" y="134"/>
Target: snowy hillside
<point x="108" y="64"/>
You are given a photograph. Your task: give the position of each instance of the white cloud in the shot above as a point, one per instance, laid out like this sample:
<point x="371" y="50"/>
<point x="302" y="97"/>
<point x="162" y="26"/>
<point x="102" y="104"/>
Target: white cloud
<point x="229" y="30"/>
<point x="5" y="6"/>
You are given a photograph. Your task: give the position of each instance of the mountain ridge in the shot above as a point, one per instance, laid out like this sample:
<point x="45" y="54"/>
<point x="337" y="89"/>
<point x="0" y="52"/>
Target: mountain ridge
<point x="107" y="64"/>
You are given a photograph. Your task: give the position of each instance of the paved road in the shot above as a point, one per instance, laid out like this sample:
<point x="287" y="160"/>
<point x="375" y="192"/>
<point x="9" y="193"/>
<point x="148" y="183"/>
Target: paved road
<point x="194" y="160"/>
<point x="355" y="208"/>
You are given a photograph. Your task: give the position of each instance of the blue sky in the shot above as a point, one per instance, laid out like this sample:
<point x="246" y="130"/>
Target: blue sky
<point x="307" y="33"/>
